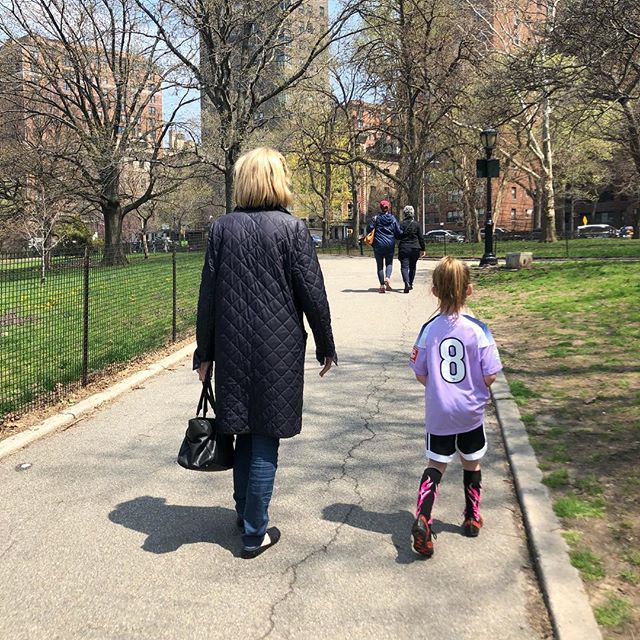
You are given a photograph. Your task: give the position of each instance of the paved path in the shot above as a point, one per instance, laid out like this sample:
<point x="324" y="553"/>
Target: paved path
<point x="106" y="537"/>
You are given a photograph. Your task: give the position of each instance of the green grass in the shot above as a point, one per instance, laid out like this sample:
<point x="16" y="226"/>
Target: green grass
<point x="572" y="537"/>
<point x="572" y="506"/>
<point x="614" y="613"/>
<point x="633" y="557"/>
<point x="557" y="478"/>
<point x="589" y="565"/>
<point x="578" y="248"/>
<point x="521" y="393"/>
<point x="130" y="313"/>
<point x="630" y="576"/>
<point x="590" y="485"/>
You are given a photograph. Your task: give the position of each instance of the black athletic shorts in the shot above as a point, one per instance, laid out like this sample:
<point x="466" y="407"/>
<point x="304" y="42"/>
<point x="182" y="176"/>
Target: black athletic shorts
<point x="471" y="445"/>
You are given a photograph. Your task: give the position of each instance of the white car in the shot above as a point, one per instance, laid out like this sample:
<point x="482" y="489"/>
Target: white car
<point x="443" y="235"/>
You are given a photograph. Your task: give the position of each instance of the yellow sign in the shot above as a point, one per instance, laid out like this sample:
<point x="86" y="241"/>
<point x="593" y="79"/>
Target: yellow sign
<point x="584" y="220"/>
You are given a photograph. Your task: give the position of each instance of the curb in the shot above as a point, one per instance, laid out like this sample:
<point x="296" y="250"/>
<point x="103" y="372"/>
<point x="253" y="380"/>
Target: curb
<point x="67" y="418"/>
<point x="571" y="614"/>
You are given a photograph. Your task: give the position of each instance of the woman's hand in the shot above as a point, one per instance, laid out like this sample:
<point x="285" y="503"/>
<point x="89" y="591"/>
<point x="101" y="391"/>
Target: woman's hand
<point x="203" y="369"/>
<point x="328" y="361"/>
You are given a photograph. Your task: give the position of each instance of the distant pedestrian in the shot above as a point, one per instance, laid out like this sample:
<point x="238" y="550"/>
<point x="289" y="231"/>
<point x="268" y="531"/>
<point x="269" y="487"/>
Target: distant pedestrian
<point x="456" y="359"/>
<point x="261" y="274"/>
<point x="387" y="230"/>
<point x="410" y="247"/>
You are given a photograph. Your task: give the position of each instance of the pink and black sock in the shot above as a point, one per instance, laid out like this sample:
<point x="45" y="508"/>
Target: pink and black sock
<point x="472" y="489"/>
<point x="427" y="492"/>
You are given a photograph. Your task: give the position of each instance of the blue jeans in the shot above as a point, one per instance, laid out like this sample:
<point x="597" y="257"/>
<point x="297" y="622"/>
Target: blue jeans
<point x="384" y="257"/>
<point x="254" y="471"/>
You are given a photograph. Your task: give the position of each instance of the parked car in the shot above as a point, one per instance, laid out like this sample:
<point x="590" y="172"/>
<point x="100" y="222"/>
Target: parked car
<point x="317" y="240"/>
<point x="443" y="235"/>
<point x="498" y="232"/>
<point x="625" y="232"/>
<point x="596" y="231"/>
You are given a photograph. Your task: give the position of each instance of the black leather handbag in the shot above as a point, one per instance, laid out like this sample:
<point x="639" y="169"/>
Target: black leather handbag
<point x="203" y="448"/>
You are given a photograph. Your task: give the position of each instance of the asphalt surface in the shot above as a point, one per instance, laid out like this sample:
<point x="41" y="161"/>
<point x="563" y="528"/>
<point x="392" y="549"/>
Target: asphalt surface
<point x="105" y="536"/>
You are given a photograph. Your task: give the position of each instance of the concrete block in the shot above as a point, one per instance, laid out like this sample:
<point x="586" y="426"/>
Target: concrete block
<point x="523" y="260"/>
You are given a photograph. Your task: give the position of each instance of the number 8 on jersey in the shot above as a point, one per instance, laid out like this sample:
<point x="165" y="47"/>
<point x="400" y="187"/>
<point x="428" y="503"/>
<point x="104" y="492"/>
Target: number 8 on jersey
<point x="452" y="367"/>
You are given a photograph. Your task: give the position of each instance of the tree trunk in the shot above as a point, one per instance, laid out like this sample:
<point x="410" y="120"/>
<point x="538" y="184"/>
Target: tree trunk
<point x="537" y="205"/>
<point x="113" y="251"/>
<point x="472" y="228"/>
<point x="230" y="156"/>
<point x="548" y="191"/>
<point x="145" y="244"/>
<point x="326" y="200"/>
<point x="355" y="209"/>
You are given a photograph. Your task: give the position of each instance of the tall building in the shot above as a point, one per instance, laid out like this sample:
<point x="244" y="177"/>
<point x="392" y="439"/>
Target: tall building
<point x="260" y="59"/>
<point x="42" y="72"/>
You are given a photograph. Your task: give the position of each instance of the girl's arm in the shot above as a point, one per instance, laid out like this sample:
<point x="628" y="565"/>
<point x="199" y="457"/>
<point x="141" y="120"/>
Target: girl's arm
<point x="423" y="380"/>
<point x="489" y="380"/>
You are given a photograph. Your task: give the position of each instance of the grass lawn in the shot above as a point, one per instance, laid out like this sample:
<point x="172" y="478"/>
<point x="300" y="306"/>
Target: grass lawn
<point x="130" y="312"/>
<point x="577" y="248"/>
<point x="569" y="336"/>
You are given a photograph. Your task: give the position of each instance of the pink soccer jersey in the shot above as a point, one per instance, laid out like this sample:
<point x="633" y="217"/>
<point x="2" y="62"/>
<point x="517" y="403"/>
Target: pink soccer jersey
<point x="455" y="353"/>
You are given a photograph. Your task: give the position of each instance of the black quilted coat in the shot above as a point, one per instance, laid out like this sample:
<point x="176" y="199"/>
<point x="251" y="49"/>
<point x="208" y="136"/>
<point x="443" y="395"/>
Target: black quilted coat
<point x="261" y="274"/>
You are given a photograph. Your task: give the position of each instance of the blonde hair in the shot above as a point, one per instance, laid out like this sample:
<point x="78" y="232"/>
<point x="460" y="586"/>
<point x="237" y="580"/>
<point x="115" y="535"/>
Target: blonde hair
<point x="261" y="180"/>
<point x="451" y="280"/>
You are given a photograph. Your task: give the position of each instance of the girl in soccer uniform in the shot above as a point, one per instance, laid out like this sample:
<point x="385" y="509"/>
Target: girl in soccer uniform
<point x="456" y="359"/>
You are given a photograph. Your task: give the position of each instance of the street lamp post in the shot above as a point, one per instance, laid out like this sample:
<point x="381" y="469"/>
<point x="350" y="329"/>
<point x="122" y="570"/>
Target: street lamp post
<point x="488" y="168"/>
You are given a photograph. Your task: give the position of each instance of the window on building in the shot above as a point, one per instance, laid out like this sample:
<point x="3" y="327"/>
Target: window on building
<point x="321" y="10"/>
<point x="152" y="111"/>
<point x="454" y="196"/>
<point x="432" y="198"/>
<point x="514" y="193"/>
<point x="455" y="216"/>
<point x="529" y="212"/>
<point x="514" y="213"/>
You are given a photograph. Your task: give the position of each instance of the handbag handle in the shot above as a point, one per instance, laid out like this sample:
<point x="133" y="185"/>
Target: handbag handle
<point x="206" y="396"/>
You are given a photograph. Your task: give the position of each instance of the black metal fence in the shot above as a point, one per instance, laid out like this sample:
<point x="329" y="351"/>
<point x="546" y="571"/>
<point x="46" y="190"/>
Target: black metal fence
<point x="71" y="316"/>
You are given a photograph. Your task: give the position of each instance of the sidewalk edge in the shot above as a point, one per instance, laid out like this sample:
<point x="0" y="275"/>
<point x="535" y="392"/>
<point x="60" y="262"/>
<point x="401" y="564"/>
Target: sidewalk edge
<point x="73" y="414"/>
<point x="571" y="614"/>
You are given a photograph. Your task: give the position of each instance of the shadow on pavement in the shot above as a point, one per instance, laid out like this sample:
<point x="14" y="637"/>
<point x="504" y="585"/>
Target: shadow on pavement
<point x="169" y="526"/>
<point x="397" y="525"/>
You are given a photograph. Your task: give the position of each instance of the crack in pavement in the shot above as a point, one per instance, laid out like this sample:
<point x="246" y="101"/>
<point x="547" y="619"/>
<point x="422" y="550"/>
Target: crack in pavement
<point x="293" y="569"/>
<point x="367" y="419"/>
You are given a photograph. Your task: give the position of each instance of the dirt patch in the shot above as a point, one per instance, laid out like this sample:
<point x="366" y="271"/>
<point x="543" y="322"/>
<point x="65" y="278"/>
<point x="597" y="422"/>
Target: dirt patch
<point x="14" y="423"/>
<point x="580" y="407"/>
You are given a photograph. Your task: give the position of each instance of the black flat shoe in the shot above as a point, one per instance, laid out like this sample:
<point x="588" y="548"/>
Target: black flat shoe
<point x="253" y="552"/>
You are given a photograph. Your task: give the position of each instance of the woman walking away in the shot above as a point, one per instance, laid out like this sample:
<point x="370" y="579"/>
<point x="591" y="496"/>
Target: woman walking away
<point x="410" y="247"/>
<point x="456" y="359"/>
<point x="261" y="274"/>
<point x="387" y="230"/>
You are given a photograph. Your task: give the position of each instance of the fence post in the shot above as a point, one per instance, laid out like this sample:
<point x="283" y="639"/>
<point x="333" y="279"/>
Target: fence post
<point x="174" y="318"/>
<point x="85" y="317"/>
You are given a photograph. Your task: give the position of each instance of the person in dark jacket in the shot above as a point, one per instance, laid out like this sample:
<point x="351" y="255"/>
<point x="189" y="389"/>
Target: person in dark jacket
<point x="387" y="230"/>
<point x="410" y="247"/>
<point x="261" y="275"/>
